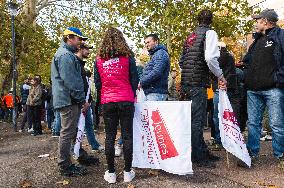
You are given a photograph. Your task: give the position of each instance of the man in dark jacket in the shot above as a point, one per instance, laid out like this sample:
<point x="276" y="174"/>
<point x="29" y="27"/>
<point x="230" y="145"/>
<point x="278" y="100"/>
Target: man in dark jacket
<point x="154" y="79"/>
<point x="68" y="96"/>
<point x="227" y="64"/>
<point x="84" y="158"/>
<point x="200" y="54"/>
<point x="264" y="79"/>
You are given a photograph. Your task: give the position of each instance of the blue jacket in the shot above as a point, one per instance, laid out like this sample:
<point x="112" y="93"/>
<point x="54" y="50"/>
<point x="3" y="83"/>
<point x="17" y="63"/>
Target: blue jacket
<point x="67" y="82"/>
<point x="155" y="74"/>
<point x="276" y="35"/>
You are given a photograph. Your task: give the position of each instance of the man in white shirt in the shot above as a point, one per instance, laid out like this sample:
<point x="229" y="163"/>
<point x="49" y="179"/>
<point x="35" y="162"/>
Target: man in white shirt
<point x="199" y="58"/>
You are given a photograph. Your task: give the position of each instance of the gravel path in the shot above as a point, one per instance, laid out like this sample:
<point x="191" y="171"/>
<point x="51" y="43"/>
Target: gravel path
<point x="20" y="166"/>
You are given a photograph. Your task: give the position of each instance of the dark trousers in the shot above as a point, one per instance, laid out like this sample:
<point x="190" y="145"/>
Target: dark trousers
<point x="26" y="110"/>
<point x="198" y="95"/>
<point x="210" y="110"/>
<point x="113" y="113"/>
<point x="34" y="114"/>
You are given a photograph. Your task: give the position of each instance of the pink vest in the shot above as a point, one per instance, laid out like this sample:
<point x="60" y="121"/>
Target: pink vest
<point x="114" y="74"/>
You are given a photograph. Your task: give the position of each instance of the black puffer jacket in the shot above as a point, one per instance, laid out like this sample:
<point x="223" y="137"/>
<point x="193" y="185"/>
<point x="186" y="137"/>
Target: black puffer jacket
<point x="195" y="72"/>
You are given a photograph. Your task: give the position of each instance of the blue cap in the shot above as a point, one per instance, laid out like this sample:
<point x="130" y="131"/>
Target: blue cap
<point x="74" y="31"/>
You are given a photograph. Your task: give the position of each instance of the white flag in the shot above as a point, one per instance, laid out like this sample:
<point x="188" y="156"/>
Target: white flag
<point x="162" y="136"/>
<point x="231" y="136"/>
<point x="81" y="125"/>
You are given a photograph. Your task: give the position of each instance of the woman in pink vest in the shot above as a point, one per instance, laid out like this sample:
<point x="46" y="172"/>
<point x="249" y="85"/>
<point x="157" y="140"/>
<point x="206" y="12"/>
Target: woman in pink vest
<point x="116" y="79"/>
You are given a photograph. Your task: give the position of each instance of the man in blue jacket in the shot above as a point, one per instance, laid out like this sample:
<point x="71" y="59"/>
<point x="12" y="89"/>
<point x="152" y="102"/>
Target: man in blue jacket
<point x="154" y="79"/>
<point x="264" y="79"/>
<point x="68" y="96"/>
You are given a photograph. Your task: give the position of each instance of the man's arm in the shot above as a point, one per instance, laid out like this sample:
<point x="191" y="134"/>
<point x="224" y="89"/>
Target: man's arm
<point x="212" y="53"/>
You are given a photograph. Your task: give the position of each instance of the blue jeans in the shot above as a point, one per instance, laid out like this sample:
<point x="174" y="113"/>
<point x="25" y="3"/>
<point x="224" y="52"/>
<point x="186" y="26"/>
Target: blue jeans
<point x="50" y="117"/>
<point x="256" y="103"/>
<point x="198" y="95"/>
<point x="156" y="97"/>
<point x="57" y="122"/>
<point x="235" y="103"/>
<point x="89" y="127"/>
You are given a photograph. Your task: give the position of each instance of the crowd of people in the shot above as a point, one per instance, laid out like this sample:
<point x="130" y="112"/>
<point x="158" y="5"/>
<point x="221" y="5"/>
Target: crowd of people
<point x="254" y="84"/>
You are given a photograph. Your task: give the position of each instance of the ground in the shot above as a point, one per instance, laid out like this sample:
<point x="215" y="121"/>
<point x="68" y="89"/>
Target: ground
<point x="20" y="166"/>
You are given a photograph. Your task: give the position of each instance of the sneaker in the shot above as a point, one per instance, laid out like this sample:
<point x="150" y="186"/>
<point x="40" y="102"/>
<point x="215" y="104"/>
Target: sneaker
<point x="99" y="149"/>
<point x="55" y="135"/>
<point x="73" y="170"/>
<point x="20" y="131"/>
<point x="128" y="176"/>
<point x="88" y="161"/>
<point x="266" y="138"/>
<point x="110" y="177"/>
<point x="30" y="130"/>
<point x="118" y="150"/>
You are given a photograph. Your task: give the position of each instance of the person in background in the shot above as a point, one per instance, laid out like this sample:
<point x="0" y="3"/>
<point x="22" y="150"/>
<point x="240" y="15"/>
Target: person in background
<point x="35" y="104"/>
<point x="24" y="96"/>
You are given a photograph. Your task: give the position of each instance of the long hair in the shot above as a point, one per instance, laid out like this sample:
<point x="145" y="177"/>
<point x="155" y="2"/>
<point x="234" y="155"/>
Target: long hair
<point x="114" y="45"/>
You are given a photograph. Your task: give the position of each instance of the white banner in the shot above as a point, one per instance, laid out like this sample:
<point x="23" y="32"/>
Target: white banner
<point x="162" y="136"/>
<point x="81" y="125"/>
<point x="231" y="136"/>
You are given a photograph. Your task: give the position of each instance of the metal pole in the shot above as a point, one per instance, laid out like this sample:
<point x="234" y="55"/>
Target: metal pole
<point x="14" y="75"/>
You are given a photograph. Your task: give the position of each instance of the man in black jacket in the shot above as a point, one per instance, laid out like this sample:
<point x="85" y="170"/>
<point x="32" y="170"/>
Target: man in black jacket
<point x="227" y="64"/>
<point x="264" y="79"/>
<point x="199" y="57"/>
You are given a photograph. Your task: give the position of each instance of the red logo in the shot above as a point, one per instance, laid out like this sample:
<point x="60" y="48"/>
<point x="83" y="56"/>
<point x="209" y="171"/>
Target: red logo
<point x="230" y="116"/>
<point x="165" y="144"/>
<point x="190" y="40"/>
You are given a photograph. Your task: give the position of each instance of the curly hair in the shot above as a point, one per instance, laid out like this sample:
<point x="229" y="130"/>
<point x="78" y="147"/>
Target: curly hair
<point x="114" y="45"/>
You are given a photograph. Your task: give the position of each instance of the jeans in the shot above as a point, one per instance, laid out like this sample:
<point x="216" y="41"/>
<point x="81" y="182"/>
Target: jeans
<point x="156" y="97"/>
<point x="89" y="127"/>
<point x="235" y="106"/>
<point x="198" y="95"/>
<point x="50" y="117"/>
<point x="57" y="122"/>
<point x="273" y="99"/>
<point x="115" y="113"/>
<point x="69" y="122"/>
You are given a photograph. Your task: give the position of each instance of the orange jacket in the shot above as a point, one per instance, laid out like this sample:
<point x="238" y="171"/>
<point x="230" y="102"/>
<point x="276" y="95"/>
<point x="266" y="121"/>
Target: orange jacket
<point x="210" y="92"/>
<point x="8" y="100"/>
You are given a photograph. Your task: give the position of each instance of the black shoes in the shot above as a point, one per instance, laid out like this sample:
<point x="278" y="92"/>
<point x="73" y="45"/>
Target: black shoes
<point x="88" y="161"/>
<point x="73" y="170"/>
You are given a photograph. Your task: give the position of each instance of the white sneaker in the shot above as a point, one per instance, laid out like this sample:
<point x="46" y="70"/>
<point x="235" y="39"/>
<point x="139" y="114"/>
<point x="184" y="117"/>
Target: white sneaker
<point x="118" y="150"/>
<point x="128" y="176"/>
<point x="110" y="177"/>
<point x="30" y="130"/>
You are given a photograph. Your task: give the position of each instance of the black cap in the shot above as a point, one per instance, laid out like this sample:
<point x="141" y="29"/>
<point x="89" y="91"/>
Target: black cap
<point x="269" y="14"/>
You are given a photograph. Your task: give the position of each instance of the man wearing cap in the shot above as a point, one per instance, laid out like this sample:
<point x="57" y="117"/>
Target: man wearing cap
<point x="84" y="158"/>
<point x="68" y="96"/>
<point x="264" y="79"/>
